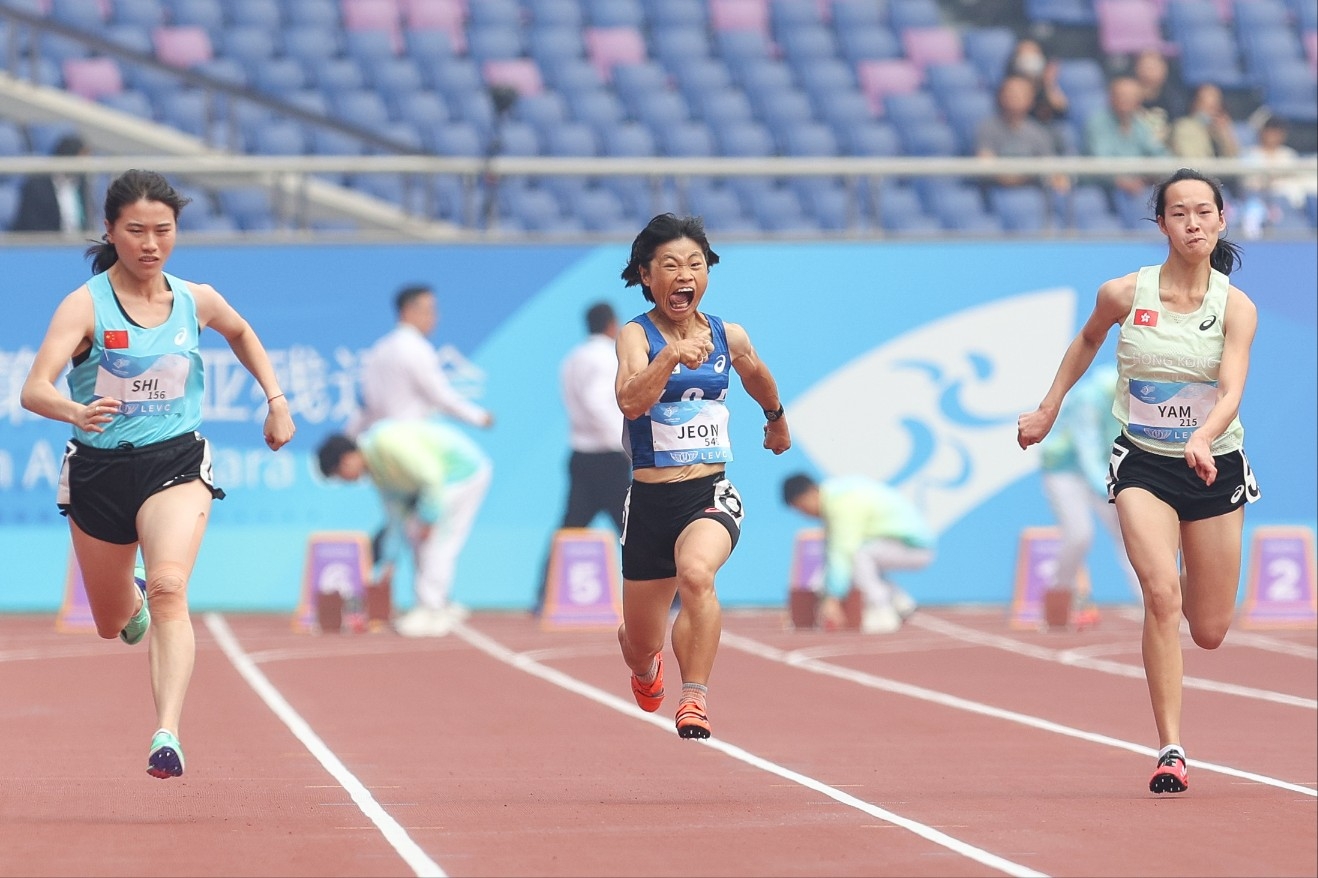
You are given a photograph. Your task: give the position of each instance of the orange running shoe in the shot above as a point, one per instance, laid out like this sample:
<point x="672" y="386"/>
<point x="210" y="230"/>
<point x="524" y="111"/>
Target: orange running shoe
<point x="650" y="696"/>
<point x="691" y="721"/>
<point x="1171" y="775"/>
<point x="1087" y="618"/>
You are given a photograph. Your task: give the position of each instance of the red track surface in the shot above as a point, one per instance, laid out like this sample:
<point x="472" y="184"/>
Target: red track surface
<point x="954" y="747"/>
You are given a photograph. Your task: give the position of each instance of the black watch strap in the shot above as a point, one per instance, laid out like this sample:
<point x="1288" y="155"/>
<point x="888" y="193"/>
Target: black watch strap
<point x="774" y="415"/>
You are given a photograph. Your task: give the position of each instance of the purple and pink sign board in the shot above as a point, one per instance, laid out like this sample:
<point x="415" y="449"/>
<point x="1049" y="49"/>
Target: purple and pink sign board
<point x="1036" y="565"/>
<point x="75" y="614"/>
<point x="337" y="561"/>
<point x="584" y="587"/>
<point x="1279" y="592"/>
<point x="808" y="560"/>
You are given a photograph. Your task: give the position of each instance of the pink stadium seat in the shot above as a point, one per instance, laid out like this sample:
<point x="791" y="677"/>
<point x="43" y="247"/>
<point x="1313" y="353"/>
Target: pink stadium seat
<point x="739" y="15"/>
<point x="368" y="15"/>
<point x="520" y="74"/>
<point x="93" y="78"/>
<point x="1129" y="26"/>
<point x="880" y="77"/>
<point x="446" y="15"/>
<point x="182" y="46"/>
<point x="607" y="47"/>
<point x="1311" y="49"/>
<point x="931" y="45"/>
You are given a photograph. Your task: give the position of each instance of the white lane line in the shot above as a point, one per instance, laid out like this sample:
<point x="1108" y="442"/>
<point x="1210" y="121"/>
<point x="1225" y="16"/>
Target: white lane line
<point x="393" y="833"/>
<point x="523" y="662"/>
<point x="1237" y="637"/>
<point x="772" y="653"/>
<point x="1077" y="659"/>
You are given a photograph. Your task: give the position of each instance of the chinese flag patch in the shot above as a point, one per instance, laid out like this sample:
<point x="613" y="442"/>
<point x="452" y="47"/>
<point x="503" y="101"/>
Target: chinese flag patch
<point x="116" y="338"/>
<point x="1143" y="317"/>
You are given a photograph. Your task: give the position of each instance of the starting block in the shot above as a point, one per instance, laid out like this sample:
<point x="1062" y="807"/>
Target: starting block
<point x="1279" y="592"/>
<point x="806" y="584"/>
<point x="584" y="585"/>
<point x="1036" y="565"/>
<point x="337" y="586"/>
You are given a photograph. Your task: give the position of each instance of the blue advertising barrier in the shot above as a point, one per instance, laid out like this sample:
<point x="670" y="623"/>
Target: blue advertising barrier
<point x="905" y="361"/>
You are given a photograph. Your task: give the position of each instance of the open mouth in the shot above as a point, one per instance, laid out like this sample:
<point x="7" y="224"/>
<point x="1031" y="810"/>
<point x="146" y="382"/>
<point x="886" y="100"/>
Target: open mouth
<point x="681" y="297"/>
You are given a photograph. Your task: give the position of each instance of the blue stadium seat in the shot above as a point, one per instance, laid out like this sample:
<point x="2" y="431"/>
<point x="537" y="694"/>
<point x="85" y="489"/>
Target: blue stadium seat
<point x="701" y="75"/>
<point x="132" y="102"/>
<point x="13" y="140"/>
<point x="787" y="16"/>
<point x="779" y="210"/>
<point x="572" y="139"/>
<point x="734" y="46"/>
<point x="208" y="14"/>
<point x="133" y="37"/>
<point x="599" y="108"/>
<point x="249" y="207"/>
<point x="903" y="14"/>
<point x="542" y="111"/>
<point x="763" y="75"/>
<point x="1210" y="54"/>
<point x="823" y="79"/>
<point x="328" y="141"/>
<point x="1022" y="209"/>
<point x="184" y="109"/>
<point x="498" y="13"/>
<point x="1181" y="16"/>
<point x="1291" y="91"/>
<point x="556" y="13"/>
<point x="260" y="13"/>
<point x="927" y="138"/>
<point x="635" y="82"/>
<point x="720" y="207"/>
<point x="850" y="14"/>
<point x="1080" y="74"/>
<point x="918" y="106"/>
<point x="685" y="138"/>
<point x="421" y="107"/>
<point x="1258" y="14"/>
<point x="571" y="75"/>
<point x="1067" y="12"/>
<point x="336" y="74"/>
<point x="394" y="76"/>
<point x="142" y="14"/>
<point x="279" y="76"/>
<point x="600" y="210"/>
<point x="321" y="13"/>
<point x="454" y="77"/>
<point x="1087" y="209"/>
<point x="627" y="139"/>
<point x="831" y="205"/>
<point x="873" y="138"/>
<point x="809" y="139"/>
<point x="494" y="42"/>
<point x="537" y="209"/>
<point x="870" y="42"/>
<point x="551" y="44"/>
<point x="428" y="45"/>
<point x="456" y="139"/>
<point x="362" y="107"/>
<point x="518" y="138"/>
<point x="659" y="109"/>
<point x="58" y="48"/>
<point x="614" y="13"/>
<point x="944" y="80"/>
<point x="965" y="111"/>
<point x="723" y="104"/>
<point x="311" y="44"/>
<point x="898" y="209"/>
<point x="742" y="139"/>
<point x="276" y="137"/>
<point x="308" y="99"/>
<point x="988" y="48"/>
<point x="477" y="108"/>
<point x="251" y="45"/>
<point x="782" y="108"/>
<point x="665" y="14"/>
<point x="678" y="45"/>
<point x="370" y="46"/>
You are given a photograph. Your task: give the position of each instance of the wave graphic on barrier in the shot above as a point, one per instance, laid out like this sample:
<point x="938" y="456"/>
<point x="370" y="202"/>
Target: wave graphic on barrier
<point x="934" y="410"/>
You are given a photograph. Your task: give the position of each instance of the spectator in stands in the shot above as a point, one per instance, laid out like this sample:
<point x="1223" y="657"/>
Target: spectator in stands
<point x="1266" y="193"/>
<point x="1121" y="131"/>
<point x="56" y="202"/>
<point x="870" y="530"/>
<point x="402" y="376"/>
<point x="1013" y="133"/>
<point x="1162" y="98"/>
<point x="432" y="480"/>
<point x="1050" y="104"/>
<point x="1208" y="130"/>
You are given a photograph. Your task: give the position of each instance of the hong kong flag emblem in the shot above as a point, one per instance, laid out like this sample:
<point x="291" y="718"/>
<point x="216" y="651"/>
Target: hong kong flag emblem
<point x="1145" y="317"/>
<point x="116" y="338"/>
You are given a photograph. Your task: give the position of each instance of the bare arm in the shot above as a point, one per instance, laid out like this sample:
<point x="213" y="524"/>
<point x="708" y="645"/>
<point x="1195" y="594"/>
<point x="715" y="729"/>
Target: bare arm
<point x="69" y="333"/>
<point x="1111" y="306"/>
<point x="1238" y="327"/>
<point x="760" y="384"/>
<point x="214" y="312"/>
<point x="641" y="381"/>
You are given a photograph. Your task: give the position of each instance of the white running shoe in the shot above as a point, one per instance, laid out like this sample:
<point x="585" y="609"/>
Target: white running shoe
<point x="903" y="603"/>
<point x="880" y="620"/>
<point x="457" y="612"/>
<point x="424" y="622"/>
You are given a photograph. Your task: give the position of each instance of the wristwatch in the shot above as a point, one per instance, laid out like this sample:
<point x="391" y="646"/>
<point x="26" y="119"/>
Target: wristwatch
<point x="774" y="415"/>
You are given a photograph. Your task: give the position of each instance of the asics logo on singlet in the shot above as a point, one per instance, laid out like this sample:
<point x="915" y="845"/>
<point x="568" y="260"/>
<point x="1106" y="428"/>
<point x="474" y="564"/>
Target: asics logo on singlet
<point x="720" y="363"/>
<point x="1208" y="324"/>
<point x="1237" y="493"/>
<point x="179" y="338"/>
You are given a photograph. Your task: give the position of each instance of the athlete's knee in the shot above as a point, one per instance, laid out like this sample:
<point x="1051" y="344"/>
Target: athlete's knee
<point x="1209" y="634"/>
<point x="1163" y="602"/>
<point x="696" y="579"/>
<point x="167" y="590"/>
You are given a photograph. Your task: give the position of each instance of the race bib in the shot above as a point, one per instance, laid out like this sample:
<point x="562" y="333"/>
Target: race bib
<point x="690" y="431"/>
<point x="147" y="386"/>
<point x="1168" y="411"/>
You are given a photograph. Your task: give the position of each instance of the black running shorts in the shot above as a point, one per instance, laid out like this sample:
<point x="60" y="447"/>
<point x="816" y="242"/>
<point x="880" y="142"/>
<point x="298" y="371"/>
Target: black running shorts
<point x="655" y="515"/>
<point x="1175" y="483"/>
<point x="102" y="489"/>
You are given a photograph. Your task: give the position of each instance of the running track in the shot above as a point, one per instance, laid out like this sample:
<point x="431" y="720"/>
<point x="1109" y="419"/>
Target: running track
<point x="954" y="747"/>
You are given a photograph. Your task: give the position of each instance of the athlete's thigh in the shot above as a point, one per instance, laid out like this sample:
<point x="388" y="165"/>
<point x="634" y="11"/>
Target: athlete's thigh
<point x="703" y="545"/>
<point x="171" y="524"/>
<point x="1211" y="548"/>
<point x="106" y="568"/>
<point x="1151" y="532"/>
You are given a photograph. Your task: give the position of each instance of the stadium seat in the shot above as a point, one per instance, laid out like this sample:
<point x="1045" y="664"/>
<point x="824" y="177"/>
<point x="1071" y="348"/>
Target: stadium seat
<point x="317" y="13"/>
<point x="988" y="48"/>
<point x="520" y="74"/>
<point x="249" y="44"/>
<point x="614" y="13"/>
<point x="600" y="210"/>
<point x="808" y="44"/>
<point x="627" y="139"/>
<point x="422" y="107"/>
<point x="788" y="16"/>
<point x="742" y="139"/>
<point x="141" y="14"/>
<point x="912" y="107"/>
<point x="781" y="109"/>
<point x="763" y="75"/>
<point x="276" y="137"/>
<point x="696" y="76"/>
<point x="843" y="109"/>
<point x="1291" y="91"/>
<point x="880" y="78"/>
<point x="965" y="111"/>
<point x="720" y="207"/>
<point x="258" y="13"/>
<point x="660" y="108"/>
<point x="362" y="107"/>
<point x="868" y="42"/>
<point x="779" y="210"/>
<point x="556" y="14"/>
<point x="945" y="80"/>
<point x="311" y="44"/>
<point x="494" y="42"/>
<point x="823" y="79"/>
<point x="927" y="138"/>
<point x="185" y="46"/>
<point x="1211" y="54"/>
<point x="370" y="15"/>
<point x="739" y="15"/>
<point x="335" y="74"/>
<point x="572" y="139"/>
<point x="923" y="46"/>
<point x="598" y="108"/>
<point x="133" y="37"/>
<point x="725" y="104"/>
<point x="494" y="13"/>
<point x="1182" y="16"/>
<point x="551" y="43"/>
<point x="1128" y="26"/>
<point x="872" y="138"/>
<point x="93" y="78"/>
<point x="448" y="16"/>
<point x="571" y="76"/>
<point x="429" y="44"/>
<point x="133" y="103"/>
<point x="249" y="207"/>
<point x="809" y="139"/>
<point x="205" y="14"/>
<point x="903" y="14"/>
<point x="679" y="45"/>
<point x="185" y="109"/>
<point x="1065" y="12"/>
<point x="898" y="209"/>
<point x="608" y="47"/>
<point x="8" y="202"/>
<point x="685" y="138"/>
<point x="456" y="139"/>
<point x="394" y="76"/>
<point x="1022" y="209"/>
